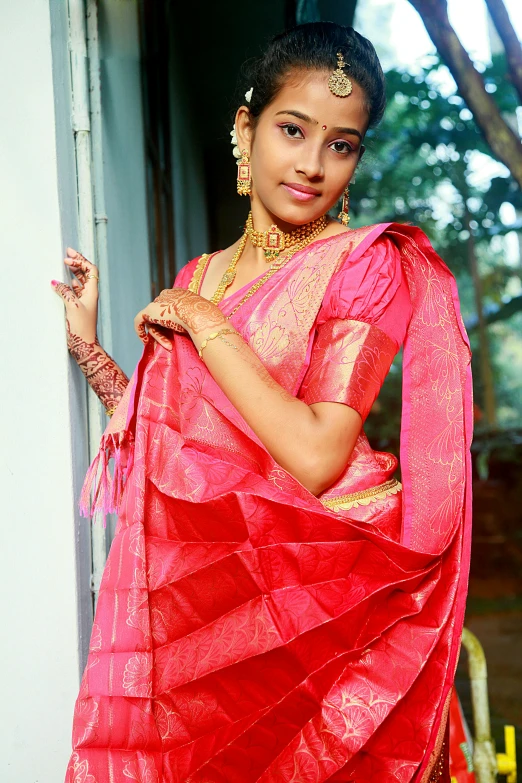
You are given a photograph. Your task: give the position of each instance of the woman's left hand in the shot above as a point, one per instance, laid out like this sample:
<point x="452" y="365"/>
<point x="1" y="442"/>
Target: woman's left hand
<point x="178" y="310"/>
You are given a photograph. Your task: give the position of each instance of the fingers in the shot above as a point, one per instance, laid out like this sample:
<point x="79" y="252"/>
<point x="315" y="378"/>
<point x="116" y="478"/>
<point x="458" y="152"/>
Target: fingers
<point x="76" y="258"/>
<point x="139" y="327"/>
<point x="165" y="323"/>
<point x="84" y="271"/>
<point x="77" y="288"/>
<point x="79" y="275"/>
<point x="146" y="328"/>
<point x="160" y="338"/>
<point x="65" y="292"/>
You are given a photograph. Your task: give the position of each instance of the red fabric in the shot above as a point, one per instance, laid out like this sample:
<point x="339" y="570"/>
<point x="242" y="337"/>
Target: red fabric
<point x="244" y="632"/>
<point x="460" y="745"/>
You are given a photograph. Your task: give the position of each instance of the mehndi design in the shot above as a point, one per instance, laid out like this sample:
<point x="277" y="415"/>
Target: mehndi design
<point x="106" y="379"/>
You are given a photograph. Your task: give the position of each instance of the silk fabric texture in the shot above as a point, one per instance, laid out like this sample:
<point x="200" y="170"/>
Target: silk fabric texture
<point x="244" y="630"/>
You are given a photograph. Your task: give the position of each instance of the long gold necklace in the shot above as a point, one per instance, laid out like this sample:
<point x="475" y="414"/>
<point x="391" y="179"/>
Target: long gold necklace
<point x="274" y="241"/>
<point x="308" y="233"/>
<point x="273" y="269"/>
<point x="230" y="274"/>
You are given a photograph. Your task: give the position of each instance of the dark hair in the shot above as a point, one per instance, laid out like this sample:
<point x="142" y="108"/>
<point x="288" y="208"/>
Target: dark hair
<point x="314" y="46"/>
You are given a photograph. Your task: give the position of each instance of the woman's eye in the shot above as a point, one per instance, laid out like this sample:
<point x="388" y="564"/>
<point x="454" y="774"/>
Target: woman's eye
<point x="293" y="131"/>
<point x="341" y="147"/>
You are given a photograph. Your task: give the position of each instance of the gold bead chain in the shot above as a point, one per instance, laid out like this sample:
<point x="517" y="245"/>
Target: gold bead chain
<point x="273" y="269"/>
<point x="230" y="274"/>
<point x="307" y="234"/>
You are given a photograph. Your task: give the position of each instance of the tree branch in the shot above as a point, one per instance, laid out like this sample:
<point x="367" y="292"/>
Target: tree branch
<point x="507" y="33"/>
<point x="503" y="142"/>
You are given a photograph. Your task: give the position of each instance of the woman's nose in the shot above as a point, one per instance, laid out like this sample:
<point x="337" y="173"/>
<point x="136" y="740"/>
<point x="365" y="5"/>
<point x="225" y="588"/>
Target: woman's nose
<point x="310" y="163"/>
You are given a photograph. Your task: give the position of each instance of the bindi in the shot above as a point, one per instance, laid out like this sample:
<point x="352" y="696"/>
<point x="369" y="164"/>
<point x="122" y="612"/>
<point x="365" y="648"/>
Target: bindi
<point x="324" y="127"/>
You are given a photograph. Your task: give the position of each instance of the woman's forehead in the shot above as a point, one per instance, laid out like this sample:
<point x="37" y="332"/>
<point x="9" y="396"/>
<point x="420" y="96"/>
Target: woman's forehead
<point x="308" y="92"/>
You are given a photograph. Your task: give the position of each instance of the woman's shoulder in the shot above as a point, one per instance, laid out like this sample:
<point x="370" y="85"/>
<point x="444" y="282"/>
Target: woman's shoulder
<point x="368" y="265"/>
<point x="369" y="280"/>
<point x="194" y="269"/>
<point x="191" y="269"/>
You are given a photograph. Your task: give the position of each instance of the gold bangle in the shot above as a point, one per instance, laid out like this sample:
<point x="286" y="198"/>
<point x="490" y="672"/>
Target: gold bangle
<point x="88" y="277"/>
<point x="110" y="411"/>
<point x="212" y="336"/>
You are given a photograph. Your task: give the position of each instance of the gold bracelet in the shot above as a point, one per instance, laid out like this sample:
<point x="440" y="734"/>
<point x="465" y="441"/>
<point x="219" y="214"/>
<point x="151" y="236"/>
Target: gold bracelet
<point x="110" y="411"/>
<point x="212" y="336"/>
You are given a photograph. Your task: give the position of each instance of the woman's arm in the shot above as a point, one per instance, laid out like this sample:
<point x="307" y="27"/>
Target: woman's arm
<point x="107" y="380"/>
<point x="105" y="377"/>
<point x="312" y="442"/>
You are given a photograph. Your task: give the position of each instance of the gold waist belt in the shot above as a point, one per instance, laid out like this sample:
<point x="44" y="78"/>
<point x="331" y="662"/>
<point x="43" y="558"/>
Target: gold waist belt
<point x="364" y="497"/>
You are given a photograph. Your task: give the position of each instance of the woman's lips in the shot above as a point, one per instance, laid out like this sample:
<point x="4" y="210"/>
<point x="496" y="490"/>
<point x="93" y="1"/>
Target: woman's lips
<point x="301" y="192"/>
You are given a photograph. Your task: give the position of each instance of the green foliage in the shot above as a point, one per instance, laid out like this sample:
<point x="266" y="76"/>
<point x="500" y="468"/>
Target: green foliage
<point x="427" y="164"/>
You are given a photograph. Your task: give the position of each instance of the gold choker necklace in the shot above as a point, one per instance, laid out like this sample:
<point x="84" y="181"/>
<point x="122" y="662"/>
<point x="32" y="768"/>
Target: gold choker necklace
<point x="274" y="241"/>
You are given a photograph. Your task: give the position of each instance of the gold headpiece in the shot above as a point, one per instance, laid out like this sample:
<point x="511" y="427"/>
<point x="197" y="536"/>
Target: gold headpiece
<point x="338" y="82"/>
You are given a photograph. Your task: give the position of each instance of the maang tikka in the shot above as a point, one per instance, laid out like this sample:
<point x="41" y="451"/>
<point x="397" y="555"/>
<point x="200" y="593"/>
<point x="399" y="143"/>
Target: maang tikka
<point x="338" y="82"/>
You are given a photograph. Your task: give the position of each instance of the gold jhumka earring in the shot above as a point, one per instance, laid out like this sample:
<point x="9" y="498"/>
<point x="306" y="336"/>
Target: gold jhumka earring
<point x="343" y="215"/>
<point x="338" y="82"/>
<point x="244" y="180"/>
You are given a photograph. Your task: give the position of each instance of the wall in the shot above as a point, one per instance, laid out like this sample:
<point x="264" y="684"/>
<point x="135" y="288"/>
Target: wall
<point x="41" y="541"/>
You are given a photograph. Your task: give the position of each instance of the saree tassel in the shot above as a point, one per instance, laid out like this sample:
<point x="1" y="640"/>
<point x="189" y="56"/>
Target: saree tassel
<point x="102" y="490"/>
<point x="122" y="463"/>
<point x="89" y="485"/>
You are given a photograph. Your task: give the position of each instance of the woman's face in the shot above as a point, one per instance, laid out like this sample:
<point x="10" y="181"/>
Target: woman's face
<point x="305" y="147"/>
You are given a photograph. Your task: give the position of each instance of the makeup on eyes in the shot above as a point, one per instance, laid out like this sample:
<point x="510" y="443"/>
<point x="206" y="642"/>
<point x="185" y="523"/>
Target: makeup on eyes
<point x="285" y="125"/>
<point x="337" y="129"/>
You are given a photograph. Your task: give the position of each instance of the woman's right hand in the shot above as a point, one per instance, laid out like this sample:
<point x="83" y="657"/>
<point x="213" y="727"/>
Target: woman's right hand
<point x="80" y="298"/>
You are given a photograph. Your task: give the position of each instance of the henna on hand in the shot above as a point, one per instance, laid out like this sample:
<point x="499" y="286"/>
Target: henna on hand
<point x="165" y="323"/>
<point x="195" y="312"/>
<point x="106" y="379"/>
<point x="67" y="294"/>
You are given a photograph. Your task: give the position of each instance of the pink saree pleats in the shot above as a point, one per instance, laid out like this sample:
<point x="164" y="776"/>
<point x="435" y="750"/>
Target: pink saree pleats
<point x="245" y="633"/>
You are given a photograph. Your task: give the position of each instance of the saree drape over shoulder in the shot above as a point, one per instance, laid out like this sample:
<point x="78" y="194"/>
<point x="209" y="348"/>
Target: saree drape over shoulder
<point x="246" y="630"/>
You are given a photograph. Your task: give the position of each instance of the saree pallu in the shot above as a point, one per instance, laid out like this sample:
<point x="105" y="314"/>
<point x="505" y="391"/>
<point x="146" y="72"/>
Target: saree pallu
<point x="247" y="630"/>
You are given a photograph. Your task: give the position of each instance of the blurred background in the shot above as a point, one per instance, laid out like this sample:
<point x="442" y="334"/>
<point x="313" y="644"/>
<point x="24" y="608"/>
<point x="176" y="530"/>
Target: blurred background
<point x="115" y="123"/>
<point x="430" y="164"/>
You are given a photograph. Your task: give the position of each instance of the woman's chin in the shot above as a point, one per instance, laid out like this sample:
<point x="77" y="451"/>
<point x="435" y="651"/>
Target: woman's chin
<point x="299" y="213"/>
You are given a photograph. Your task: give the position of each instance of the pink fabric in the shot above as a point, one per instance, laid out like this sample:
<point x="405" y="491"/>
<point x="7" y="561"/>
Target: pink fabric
<point x="244" y="632"/>
<point x="349" y="363"/>
<point x="373" y="289"/>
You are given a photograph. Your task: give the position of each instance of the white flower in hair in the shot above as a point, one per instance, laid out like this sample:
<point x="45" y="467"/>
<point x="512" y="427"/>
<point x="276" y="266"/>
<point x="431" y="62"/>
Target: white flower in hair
<point x="235" y="151"/>
<point x="248" y="94"/>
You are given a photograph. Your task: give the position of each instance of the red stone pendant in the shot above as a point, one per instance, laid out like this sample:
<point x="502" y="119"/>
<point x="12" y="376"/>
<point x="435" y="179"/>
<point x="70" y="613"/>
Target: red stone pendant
<point x="274" y="242"/>
<point x="274" y="238"/>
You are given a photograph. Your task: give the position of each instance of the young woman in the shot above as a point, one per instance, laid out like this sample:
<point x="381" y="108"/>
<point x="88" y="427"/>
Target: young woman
<point x="275" y="605"/>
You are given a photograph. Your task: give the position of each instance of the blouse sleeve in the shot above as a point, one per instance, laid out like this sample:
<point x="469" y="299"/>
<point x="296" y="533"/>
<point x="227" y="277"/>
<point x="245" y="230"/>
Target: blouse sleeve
<point x="184" y="275"/>
<point x="360" y="328"/>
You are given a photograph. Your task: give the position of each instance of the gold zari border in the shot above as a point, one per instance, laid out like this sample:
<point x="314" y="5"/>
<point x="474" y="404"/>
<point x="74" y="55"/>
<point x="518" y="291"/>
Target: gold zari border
<point x="364" y="497"/>
<point x="196" y="275"/>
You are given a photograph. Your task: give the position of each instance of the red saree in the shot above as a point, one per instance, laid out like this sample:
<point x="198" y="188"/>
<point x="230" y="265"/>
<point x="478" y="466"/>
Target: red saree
<point x="247" y="630"/>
